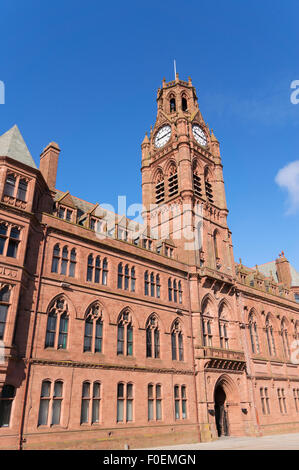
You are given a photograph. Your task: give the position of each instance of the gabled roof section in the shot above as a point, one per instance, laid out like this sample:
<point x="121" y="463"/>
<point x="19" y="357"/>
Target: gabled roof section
<point x="12" y="145"/>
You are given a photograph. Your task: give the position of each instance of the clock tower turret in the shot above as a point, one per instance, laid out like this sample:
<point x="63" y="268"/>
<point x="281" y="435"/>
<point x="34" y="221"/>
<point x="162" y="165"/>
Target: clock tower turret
<point x="182" y="180"/>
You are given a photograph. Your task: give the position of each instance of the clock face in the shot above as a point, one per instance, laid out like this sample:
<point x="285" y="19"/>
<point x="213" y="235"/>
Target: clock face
<point x="199" y="135"/>
<point x="162" y="136"/>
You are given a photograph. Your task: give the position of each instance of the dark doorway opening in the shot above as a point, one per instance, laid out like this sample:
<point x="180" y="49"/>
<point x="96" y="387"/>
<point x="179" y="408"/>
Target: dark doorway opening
<point x="221" y="412"/>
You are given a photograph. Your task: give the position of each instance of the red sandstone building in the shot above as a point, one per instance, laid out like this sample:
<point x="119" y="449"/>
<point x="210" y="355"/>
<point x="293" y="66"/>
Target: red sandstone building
<point x="116" y="333"/>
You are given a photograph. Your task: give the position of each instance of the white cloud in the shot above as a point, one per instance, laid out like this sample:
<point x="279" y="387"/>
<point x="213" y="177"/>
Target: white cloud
<point x="288" y="178"/>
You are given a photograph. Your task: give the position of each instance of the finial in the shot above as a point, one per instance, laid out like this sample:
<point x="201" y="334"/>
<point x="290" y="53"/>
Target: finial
<point x="190" y="81"/>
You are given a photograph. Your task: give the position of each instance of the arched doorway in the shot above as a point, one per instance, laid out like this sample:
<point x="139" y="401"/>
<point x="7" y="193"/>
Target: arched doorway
<point x="221" y="416"/>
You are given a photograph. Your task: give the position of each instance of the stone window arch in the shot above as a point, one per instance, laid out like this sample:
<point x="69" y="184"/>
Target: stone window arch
<point x="270" y="336"/>
<point x="57" y="324"/>
<point x="285" y="338"/>
<point x="177" y="343"/>
<point x="152" y="337"/>
<point x="223" y="326"/>
<point x="93" y="331"/>
<point x="254" y="339"/>
<point x="125" y="334"/>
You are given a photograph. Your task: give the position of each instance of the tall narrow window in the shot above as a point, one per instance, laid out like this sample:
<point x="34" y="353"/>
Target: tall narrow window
<point x="184" y="104"/>
<point x="285" y="339"/>
<point x="44" y="403"/>
<point x="93" y="332"/>
<point x="152" y="338"/>
<point x="120" y="276"/>
<point x="105" y="272"/>
<point x="4" y="305"/>
<point x="57" y="402"/>
<point x="154" y="394"/>
<point x="175" y="291"/>
<point x="72" y="263"/>
<point x="270" y="338"/>
<point x="58" y="315"/>
<point x="85" y="403"/>
<point x="55" y="259"/>
<point x="158" y="287"/>
<point x="63" y="327"/>
<point x="6" y="401"/>
<point x="90" y="268"/>
<point x="64" y="260"/>
<point x="172" y="106"/>
<point x="197" y="187"/>
<point x="152" y="285"/>
<point x="124" y="402"/>
<point x="180" y="402"/>
<point x="3" y="237"/>
<point x="125" y="335"/>
<point x="10" y="184"/>
<point x="180" y="292"/>
<point x="253" y="335"/>
<point x="169" y="290"/>
<point x="133" y="279"/>
<point x="146" y="283"/>
<point x="22" y="190"/>
<point x="177" y="345"/>
<point x="127" y="277"/>
<point x="223" y="327"/>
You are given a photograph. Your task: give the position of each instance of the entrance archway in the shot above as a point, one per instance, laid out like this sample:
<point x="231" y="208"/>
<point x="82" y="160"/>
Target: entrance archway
<point x="221" y="415"/>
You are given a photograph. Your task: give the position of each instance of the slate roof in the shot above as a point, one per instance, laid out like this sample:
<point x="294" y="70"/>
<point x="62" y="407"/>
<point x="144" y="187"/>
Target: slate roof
<point x="271" y="266"/>
<point x="13" y="145"/>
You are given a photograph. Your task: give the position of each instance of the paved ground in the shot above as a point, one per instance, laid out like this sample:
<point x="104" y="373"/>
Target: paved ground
<point x="276" y="442"/>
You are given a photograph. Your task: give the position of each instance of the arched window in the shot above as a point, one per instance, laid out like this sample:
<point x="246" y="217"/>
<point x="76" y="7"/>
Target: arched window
<point x="97" y="271"/>
<point x="208" y="186"/>
<point x="93" y="333"/>
<point x="50" y="403"/>
<point x="177" y="347"/>
<point x="127" y="277"/>
<point x="146" y="283"/>
<point x="56" y="258"/>
<point x="172" y="105"/>
<point x="152" y="337"/>
<point x="158" y="286"/>
<point x="152" y="285"/>
<point x="120" y="276"/>
<point x="206" y="324"/>
<point x="64" y="260"/>
<point x="90" y="268"/>
<point x="133" y="279"/>
<point x="125" y="334"/>
<point x="58" y="312"/>
<point x="72" y="263"/>
<point x="223" y="328"/>
<point x="285" y="339"/>
<point x="172" y="181"/>
<point x="105" y="272"/>
<point x="4" y="305"/>
<point x="255" y="346"/>
<point x="180" y="292"/>
<point x="154" y="394"/>
<point x="160" y="188"/>
<point x="124" y="402"/>
<point x="6" y="401"/>
<point x="184" y="103"/>
<point x="169" y="290"/>
<point x="175" y="291"/>
<point x="90" y="403"/>
<point x="270" y="337"/>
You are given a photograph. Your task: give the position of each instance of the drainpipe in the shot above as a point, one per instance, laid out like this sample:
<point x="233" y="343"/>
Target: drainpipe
<point x="193" y="358"/>
<point x="29" y="360"/>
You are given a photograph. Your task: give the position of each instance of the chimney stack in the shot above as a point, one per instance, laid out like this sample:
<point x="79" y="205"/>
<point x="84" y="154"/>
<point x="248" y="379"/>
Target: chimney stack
<point x="283" y="270"/>
<point x="49" y="162"/>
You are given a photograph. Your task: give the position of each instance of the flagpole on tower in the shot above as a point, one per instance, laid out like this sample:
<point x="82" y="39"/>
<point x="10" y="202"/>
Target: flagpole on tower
<point x="174" y="65"/>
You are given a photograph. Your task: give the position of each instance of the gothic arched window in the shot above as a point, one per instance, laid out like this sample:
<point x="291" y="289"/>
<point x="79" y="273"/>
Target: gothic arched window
<point x="177" y="347"/>
<point x="56" y="258"/>
<point x="152" y="337"/>
<point x="206" y="325"/>
<point x="93" y="333"/>
<point x="64" y="260"/>
<point x="285" y="339"/>
<point x="184" y="103"/>
<point x="172" y="105"/>
<point x="4" y="305"/>
<point x="125" y="334"/>
<point x="254" y="339"/>
<point x="58" y="314"/>
<point x="120" y="276"/>
<point x="146" y="283"/>
<point x="223" y="328"/>
<point x="270" y="337"/>
<point x="72" y="263"/>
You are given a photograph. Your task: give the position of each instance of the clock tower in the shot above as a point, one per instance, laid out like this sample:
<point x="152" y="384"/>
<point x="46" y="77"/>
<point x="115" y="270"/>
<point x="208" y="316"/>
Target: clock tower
<point x="182" y="181"/>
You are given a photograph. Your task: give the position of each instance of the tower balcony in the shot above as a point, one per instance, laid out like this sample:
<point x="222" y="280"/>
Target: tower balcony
<point x="223" y="359"/>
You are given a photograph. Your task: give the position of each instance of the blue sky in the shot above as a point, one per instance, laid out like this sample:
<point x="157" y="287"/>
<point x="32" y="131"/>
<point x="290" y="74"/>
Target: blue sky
<point x="85" y="74"/>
